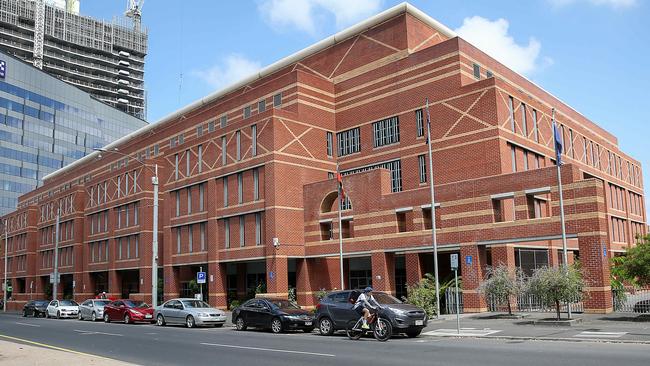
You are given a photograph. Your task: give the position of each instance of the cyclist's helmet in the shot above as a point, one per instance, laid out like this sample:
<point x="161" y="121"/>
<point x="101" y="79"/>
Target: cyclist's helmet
<point x="367" y="289"/>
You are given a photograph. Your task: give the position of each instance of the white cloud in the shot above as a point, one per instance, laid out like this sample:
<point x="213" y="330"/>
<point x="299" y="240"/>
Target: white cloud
<point x="305" y="15"/>
<point x="231" y="69"/>
<point x="492" y="38"/>
<point x="617" y="4"/>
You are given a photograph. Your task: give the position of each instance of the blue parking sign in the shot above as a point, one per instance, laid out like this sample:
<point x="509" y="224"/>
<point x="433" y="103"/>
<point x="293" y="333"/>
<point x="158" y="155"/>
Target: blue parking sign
<point x="200" y="277"/>
<point x="468" y="260"/>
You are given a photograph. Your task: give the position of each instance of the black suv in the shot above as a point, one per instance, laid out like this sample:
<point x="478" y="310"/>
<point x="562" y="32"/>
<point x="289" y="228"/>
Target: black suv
<point x="334" y="312"/>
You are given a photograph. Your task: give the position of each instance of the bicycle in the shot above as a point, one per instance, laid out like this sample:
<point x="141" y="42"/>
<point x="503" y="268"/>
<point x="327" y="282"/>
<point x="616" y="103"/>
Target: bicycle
<point x="380" y="327"/>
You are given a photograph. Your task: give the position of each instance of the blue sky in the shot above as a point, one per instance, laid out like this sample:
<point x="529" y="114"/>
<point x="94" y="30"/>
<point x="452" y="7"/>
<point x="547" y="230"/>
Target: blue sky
<point x="590" y="53"/>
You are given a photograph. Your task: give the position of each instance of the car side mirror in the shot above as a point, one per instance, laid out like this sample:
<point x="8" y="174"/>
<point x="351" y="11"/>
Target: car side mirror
<point x="91" y="305"/>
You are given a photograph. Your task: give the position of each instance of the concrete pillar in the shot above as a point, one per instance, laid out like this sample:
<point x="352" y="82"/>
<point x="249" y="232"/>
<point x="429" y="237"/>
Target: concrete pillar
<point x="383" y="271"/>
<point x="473" y="301"/>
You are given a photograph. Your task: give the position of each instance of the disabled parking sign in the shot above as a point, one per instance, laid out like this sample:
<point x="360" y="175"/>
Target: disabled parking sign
<point x="200" y="277"/>
<point x="468" y="260"/>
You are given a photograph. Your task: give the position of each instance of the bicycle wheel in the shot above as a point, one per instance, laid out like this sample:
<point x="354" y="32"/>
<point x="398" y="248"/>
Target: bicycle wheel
<point x="353" y="333"/>
<point x="383" y="330"/>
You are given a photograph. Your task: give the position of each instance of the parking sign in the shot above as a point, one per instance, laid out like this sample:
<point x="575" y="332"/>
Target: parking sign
<point x="200" y="277"/>
<point x="454" y="261"/>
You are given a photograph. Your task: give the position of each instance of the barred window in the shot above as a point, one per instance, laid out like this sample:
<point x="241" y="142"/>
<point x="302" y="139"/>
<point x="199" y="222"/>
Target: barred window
<point x="395" y="168"/>
<point x="348" y="142"/>
<point x="422" y="168"/>
<point x="386" y="131"/>
<point x="419" y="122"/>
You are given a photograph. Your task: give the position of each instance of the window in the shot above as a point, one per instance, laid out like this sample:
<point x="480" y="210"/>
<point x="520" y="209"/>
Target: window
<point x="395" y="168"/>
<point x="537" y="205"/>
<point x="402" y="224"/>
<point x="176" y="167"/>
<point x="326" y="231"/>
<point x="226" y="231"/>
<point x="178" y="240"/>
<point x="202" y="229"/>
<point x="277" y="100"/>
<point x="254" y="140"/>
<point x="422" y="168"/>
<point x="531" y="259"/>
<point x="584" y="150"/>
<point x="211" y="126"/>
<point x="238" y="138"/>
<point x="223" y="121"/>
<point x="225" y="191"/>
<point x="181" y="139"/>
<point x="187" y="163"/>
<point x="488" y="74"/>
<point x="242" y="231"/>
<point x="329" y="140"/>
<point x="247" y="111"/>
<point x="256" y="184"/>
<point x="199" y="131"/>
<point x="200" y="158"/>
<point x="126" y="184"/>
<point x="261" y="106"/>
<point x="189" y="200"/>
<point x="525" y="160"/>
<point x="477" y="72"/>
<point x="348" y="142"/>
<point x="156" y="150"/>
<point x="571" y="148"/>
<point x="503" y="209"/>
<point x="523" y="120"/>
<point x="173" y="142"/>
<point x="201" y="197"/>
<point x="386" y="131"/>
<point x="426" y="215"/>
<point x="190" y="239"/>
<point x="346" y="228"/>
<point x="178" y="203"/>
<point x="240" y="188"/>
<point x="224" y="152"/>
<point x="258" y="228"/>
<point x="513" y="156"/>
<point x="419" y="122"/>
<point x="511" y="109"/>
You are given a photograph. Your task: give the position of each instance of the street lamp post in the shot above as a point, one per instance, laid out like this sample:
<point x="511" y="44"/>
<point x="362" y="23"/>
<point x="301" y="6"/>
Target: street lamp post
<point x="154" y="241"/>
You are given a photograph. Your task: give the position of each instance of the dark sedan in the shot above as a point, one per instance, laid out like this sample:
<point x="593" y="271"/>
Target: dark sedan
<point x="275" y="314"/>
<point x="35" y="308"/>
<point x="334" y="312"/>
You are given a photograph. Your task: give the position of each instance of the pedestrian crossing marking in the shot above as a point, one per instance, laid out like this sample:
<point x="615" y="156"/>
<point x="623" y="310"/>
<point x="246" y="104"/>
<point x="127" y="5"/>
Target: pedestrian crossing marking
<point x="464" y="332"/>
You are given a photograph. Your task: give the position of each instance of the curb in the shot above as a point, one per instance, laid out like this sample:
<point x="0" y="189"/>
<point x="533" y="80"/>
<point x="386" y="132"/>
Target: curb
<point x="548" y="339"/>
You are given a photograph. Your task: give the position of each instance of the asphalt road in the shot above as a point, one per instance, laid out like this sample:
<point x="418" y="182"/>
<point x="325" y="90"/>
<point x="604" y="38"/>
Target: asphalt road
<point x="152" y="345"/>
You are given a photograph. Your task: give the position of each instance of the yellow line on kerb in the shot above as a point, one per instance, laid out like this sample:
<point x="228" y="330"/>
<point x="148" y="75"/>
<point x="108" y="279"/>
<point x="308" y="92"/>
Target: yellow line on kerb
<point x="55" y="347"/>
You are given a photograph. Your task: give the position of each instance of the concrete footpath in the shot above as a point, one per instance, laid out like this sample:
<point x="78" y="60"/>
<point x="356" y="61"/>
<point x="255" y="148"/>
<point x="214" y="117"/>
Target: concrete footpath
<point x="23" y="354"/>
<point x="615" y="327"/>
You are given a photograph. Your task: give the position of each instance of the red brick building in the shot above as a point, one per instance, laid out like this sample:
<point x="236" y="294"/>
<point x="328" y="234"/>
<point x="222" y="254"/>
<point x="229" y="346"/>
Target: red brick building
<point x="255" y="162"/>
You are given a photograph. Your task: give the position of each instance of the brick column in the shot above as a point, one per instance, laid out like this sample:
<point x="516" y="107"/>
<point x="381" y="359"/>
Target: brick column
<point x="241" y="280"/>
<point x="217" y="285"/>
<point x="304" y="283"/>
<point x="413" y="268"/>
<point x="383" y="271"/>
<point x="505" y="255"/>
<point x="217" y="273"/>
<point x="473" y="301"/>
<point x="170" y="285"/>
<point x="114" y="285"/>
<point x="277" y="276"/>
<point x="595" y="267"/>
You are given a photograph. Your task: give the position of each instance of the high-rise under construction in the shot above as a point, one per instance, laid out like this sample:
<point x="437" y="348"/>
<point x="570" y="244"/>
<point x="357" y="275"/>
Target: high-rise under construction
<point x="105" y="59"/>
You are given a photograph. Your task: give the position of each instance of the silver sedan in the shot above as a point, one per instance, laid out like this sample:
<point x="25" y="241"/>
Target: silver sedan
<point x="190" y="312"/>
<point x="92" y="309"/>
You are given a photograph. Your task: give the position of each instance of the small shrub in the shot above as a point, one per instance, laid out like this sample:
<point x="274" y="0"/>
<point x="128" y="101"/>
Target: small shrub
<point x="503" y="284"/>
<point x="423" y="295"/>
<point x="554" y="285"/>
<point x="233" y="304"/>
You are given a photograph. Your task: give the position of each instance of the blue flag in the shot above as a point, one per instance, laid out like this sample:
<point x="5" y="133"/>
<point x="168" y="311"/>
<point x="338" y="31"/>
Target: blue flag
<point x="558" y="144"/>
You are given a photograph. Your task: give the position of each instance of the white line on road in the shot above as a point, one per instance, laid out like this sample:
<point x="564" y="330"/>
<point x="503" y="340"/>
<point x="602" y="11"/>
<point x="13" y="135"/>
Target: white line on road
<point x="90" y="332"/>
<point x="269" y="349"/>
<point x="29" y="325"/>
<point x="587" y="334"/>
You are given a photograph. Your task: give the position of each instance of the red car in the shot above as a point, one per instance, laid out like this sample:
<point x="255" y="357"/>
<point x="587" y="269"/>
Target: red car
<point x="128" y="311"/>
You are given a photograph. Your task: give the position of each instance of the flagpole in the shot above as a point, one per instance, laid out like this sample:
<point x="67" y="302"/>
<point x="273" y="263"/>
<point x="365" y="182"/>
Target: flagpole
<point x="433" y="214"/>
<point x="338" y="190"/>
<point x="558" y="164"/>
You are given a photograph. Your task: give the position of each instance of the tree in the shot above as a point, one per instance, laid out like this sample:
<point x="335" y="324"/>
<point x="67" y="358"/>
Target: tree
<point x="634" y="266"/>
<point x="554" y="285"/>
<point x="502" y="284"/>
<point x="423" y="294"/>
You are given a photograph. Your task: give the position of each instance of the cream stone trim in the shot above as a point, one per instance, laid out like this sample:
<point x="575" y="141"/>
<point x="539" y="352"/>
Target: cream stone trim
<point x="466" y="214"/>
<point x="371" y="66"/>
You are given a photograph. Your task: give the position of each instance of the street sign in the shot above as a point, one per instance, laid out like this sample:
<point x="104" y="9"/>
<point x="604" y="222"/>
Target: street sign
<point x="468" y="259"/>
<point x="271" y="275"/>
<point x="52" y="278"/>
<point x="454" y="261"/>
<point x="604" y="251"/>
<point x="200" y="277"/>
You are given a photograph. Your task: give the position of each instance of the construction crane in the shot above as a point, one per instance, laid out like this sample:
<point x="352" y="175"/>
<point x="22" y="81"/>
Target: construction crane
<point x="134" y="11"/>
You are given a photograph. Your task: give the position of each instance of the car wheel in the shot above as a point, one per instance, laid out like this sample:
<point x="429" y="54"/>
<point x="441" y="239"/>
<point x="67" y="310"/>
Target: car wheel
<point x="240" y="323"/>
<point x="47" y="314"/>
<point x="413" y="333"/>
<point x="93" y="317"/>
<point x="127" y="319"/>
<point x="58" y="315"/>
<point x="276" y="325"/>
<point x="79" y="316"/>
<point x="24" y="313"/>
<point x="189" y="322"/>
<point x="107" y="319"/>
<point x="160" y="320"/>
<point x="325" y="326"/>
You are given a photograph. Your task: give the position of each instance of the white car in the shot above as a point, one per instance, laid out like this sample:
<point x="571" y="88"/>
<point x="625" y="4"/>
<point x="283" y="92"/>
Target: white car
<point x="62" y="309"/>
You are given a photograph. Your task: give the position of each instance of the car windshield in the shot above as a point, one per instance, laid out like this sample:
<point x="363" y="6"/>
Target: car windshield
<point x="195" y="304"/>
<point x="135" y="304"/>
<point x="102" y="302"/>
<point x="40" y="303"/>
<point x="283" y="304"/>
<point x="67" y="303"/>
<point x="384" y="298"/>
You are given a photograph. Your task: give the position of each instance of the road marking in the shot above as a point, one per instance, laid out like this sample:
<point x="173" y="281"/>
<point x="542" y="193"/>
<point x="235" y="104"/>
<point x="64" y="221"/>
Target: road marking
<point x="587" y="334"/>
<point x="55" y="347"/>
<point x="269" y="349"/>
<point x="90" y="332"/>
<point x="26" y="324"/>
<point x="464" y="332"/>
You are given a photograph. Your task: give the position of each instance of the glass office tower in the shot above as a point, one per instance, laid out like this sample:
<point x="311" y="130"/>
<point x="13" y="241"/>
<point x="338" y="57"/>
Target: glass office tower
<point x="46" y="124"/>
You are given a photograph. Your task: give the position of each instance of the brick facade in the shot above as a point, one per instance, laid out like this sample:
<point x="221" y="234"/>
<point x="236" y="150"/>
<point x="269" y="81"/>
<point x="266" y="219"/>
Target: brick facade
<point x="230" y="182"/>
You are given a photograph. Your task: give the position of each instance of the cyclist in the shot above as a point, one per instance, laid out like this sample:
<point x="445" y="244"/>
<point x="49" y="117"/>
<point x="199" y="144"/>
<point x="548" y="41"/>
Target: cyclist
<point x="364" y="302"/>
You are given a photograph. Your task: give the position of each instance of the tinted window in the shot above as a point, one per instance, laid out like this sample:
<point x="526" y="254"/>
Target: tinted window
<point x="102" y="302"/>
<point x="384" y="298"/>
<point x="169" y="304"/>
<point x="195" y="304"/>
<point x="282" y="304"/>
<point x="68" y="303"/>
<point x="40" y="303"/>
<point x="135" y="304"/>
<point x="86" y="303"/>
<point x="340" y="297"/>
<point x="250" y="303"/>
